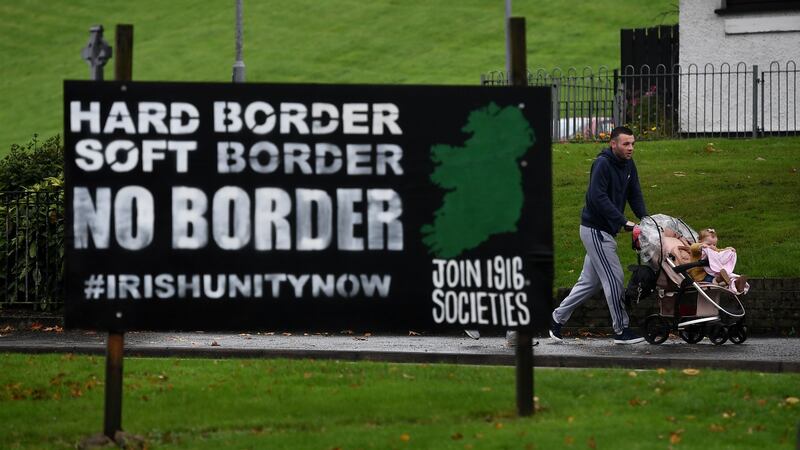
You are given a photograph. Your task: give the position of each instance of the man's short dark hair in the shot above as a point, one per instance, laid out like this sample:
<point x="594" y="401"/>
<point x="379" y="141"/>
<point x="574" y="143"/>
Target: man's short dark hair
<point x="621" y="130"/>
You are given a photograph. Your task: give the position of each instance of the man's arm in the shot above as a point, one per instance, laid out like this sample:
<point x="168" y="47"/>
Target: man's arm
<point x="597" y="195"/>
<point x="635" y="197"/>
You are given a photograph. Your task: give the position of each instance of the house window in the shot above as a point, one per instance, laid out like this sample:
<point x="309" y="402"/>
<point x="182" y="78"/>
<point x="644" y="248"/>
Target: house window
<point x="756" y="6"/>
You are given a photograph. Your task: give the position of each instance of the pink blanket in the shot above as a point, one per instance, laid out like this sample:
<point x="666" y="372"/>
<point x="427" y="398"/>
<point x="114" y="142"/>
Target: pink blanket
<point x="718" y="260"/>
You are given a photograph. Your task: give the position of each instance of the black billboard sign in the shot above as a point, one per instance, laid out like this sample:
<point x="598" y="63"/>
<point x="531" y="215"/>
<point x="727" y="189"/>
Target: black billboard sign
<point x="231" y="206"/>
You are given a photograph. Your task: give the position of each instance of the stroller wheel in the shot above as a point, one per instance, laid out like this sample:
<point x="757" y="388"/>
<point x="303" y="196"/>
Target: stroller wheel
<point x="656" y="329"/>
<point x="717" y="334"/>
<point x="692" y="334"/>
<point x="737" y="333"/>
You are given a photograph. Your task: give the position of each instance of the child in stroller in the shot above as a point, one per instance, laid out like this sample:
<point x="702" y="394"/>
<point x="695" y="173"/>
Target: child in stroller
<point x="694" y="309"/>
<point x="721" y="263"/>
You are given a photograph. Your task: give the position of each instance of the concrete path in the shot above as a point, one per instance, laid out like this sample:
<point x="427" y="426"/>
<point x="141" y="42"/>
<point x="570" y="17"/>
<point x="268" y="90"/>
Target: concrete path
<point x="758" y="354"/>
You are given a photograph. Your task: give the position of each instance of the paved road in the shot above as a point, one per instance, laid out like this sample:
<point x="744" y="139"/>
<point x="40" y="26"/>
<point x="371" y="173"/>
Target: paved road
<point x="760" y="354"/>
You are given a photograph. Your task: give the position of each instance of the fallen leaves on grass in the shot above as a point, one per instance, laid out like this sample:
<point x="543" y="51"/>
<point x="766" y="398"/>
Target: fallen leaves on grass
<point x="675" y="436"/>
<point x="679" y="174"/>
<point x="632" y="374"/>
<point x="591" y="443"/>
<point x="791" y="400"/>
<point x="569" y="440"/>
<point x="690" y="372"/>
<point x="457" y="436"/>
<point x="405" y="437"/>
<point x="661" y="371"/>
<point x="714" y="428"/>
<point x="636" y="401"/>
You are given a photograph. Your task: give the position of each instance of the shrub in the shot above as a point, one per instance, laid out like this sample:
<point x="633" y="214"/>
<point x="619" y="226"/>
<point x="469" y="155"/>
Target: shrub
<point x="32" y="163"/>
<point x="649" y="114"/>
<point x="32" y="224"/>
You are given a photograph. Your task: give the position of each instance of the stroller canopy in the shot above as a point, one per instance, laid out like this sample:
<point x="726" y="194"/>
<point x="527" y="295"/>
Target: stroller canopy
<point x="650" y="237"/>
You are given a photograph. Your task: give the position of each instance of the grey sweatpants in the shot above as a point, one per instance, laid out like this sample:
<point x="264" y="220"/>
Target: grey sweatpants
<point x="601" y="268"/>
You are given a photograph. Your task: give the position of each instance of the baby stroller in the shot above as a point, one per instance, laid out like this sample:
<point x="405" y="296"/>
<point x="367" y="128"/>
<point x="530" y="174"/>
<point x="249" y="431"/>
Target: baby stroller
<point x="692" y="309"/>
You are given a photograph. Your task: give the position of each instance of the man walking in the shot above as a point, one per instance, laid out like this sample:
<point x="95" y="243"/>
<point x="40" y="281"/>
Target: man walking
<point x="613" y="182"/>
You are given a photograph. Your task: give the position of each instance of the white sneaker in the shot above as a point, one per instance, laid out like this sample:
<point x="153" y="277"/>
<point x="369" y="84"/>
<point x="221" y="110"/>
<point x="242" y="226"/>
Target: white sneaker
<point x="555" y="331"/>
<point x="511" y="338"/>
<point x="474" y="334"/>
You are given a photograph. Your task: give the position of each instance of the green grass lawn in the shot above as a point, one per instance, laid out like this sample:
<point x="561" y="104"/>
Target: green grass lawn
<point x="52" y="401"/>
<point x="748" y="190"/>
<point x="332" y="41"/>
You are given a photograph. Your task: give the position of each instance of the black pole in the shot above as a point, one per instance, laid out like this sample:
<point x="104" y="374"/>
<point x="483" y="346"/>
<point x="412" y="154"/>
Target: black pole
<point x="519" y="65"/>
<point x="524" y="349"/>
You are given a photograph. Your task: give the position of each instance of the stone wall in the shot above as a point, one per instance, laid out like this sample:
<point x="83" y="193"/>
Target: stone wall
<point x="772" y="307"/>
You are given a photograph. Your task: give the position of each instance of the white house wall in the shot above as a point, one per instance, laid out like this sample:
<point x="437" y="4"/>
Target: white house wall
<point x="712" y="45"/>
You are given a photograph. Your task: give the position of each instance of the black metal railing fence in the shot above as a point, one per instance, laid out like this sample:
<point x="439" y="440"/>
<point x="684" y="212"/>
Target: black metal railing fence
<point x="670" y="102"/>
<point x="32" y="249"/>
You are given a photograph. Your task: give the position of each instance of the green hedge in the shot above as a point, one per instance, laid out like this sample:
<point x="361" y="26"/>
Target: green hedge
<point x="32" y="225"/>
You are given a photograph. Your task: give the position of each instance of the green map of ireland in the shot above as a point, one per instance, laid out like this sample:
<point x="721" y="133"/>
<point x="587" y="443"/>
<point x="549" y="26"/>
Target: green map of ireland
<point x="482" y="179"/>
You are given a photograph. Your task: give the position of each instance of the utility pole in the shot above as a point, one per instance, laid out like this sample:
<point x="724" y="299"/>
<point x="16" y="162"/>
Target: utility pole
<point x="238" y="66"/>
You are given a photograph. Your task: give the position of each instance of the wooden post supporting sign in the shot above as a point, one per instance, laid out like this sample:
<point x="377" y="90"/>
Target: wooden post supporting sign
<point x="112" y="417"/>
<point x="524" y="349"/>
<point x="123" y="63"/>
